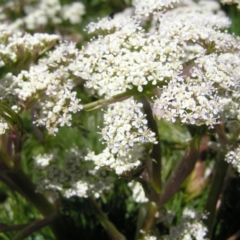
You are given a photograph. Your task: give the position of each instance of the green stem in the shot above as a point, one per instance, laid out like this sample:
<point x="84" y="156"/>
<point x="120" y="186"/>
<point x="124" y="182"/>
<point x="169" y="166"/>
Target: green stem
<point x="23" y="184"/>
<point x="27" y="189"/>
<point x="107" y="225"/>
<point x="33" y="227"/>
<point x="149" y="220"/>
<point x="181" y="171"/>
<point x="141" y="216"/>
<point x="156" y="154"/>
<point x="6" y="228"/>
<point x="104" y="102"/>
<point x="220" y="170"/>
<point x="147" y="212"/>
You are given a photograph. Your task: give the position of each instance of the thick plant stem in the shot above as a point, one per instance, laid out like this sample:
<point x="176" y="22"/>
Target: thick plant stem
<point x="220" y="170"/>
<point x="13" y="176"/>
<point x="23" y="184"/>
<point x="148" y="221"/>
<point x="181" y="171"/>
<point x="147" y="213"/>
<point x="33" y="227"/>
<point x="156" y="154"/>
<point x="27" y="189"/>
<point x="112" y="231"/>
<point x="220" y="167"/>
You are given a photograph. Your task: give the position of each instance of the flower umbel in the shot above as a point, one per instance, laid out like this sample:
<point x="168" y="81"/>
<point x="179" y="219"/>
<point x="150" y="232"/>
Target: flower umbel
<point x="126" y="135"/>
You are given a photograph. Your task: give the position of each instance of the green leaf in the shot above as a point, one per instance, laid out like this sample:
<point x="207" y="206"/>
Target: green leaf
<point x="11" y="117"/>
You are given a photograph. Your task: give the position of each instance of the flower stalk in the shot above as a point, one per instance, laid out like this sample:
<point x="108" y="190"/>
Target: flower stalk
<point x="182" y="171"/>
<point x="112" y="231"/>
<point x="23" y="184"/>
<point x="104" y="102"/>
<point x="219" y="174"/>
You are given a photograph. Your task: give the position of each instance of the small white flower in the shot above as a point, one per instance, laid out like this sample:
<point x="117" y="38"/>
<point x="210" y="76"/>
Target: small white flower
<point x="75" y="106"/>
<point x="43" y="160"/>
<point x="138" y="194"/>
<point x="65" y="119"/>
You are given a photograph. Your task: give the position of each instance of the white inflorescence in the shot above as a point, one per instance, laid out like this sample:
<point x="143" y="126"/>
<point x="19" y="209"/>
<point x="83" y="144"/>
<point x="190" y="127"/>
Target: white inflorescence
<point x="232" y="2"/>
<point x="3" y="126"/>
<point x="43" y="161"/>
<point x="191" y="227"/>
<point x="50" y="82"/>
<point x="109" y="25"/>
<point x="126" y="59"/>
<point x="18" y="50"/>
<point x="185" y="59"/>
<point x="43" y="13"/>
<point x="138" y="194"/>
<point x="75" y="178"/>
<point x="187" y="54"/>
<point x="40" y="14"/>
<point x="233" y="157"/>
<point x="148" y="7"/>
<point x="18" y="47"/>
<point x="125" y="134"/>
<point x="201" y="97"/>
<point x="149" y="237"/>
<point x="73" y="12"/>
<point x="199" y="94"/>
<point x="47" y="12"/>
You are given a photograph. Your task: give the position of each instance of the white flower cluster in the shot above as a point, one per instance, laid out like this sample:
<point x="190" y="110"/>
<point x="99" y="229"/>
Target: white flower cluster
<point x="187" y="54"/>
<point x="126" y="59"/>
<point x="43" y="13"/>
<point x="233" y="157"/>
<point x="138" y="194"/>
<point x="3" y="126"/>
<point x="232" y="2"/>
<point x="209" y="76"/>
<point x="205" y="95"/>
<point x="39" y="14"/>
<point x="190" y="228"/>
<point x="73" y="12"/>
<point x="148" y="7"/>
<point x="6" y="87"/>
<point x="17" y="49"/>
<point x="189" y="12"/>
<point x="76" y="177"/>
<point x="49" y="84"/>
<point x="108" y="25"/>
<point x="149" y="237"/>
<point x="42" y="161"/>
<point x="126" y="135"/>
